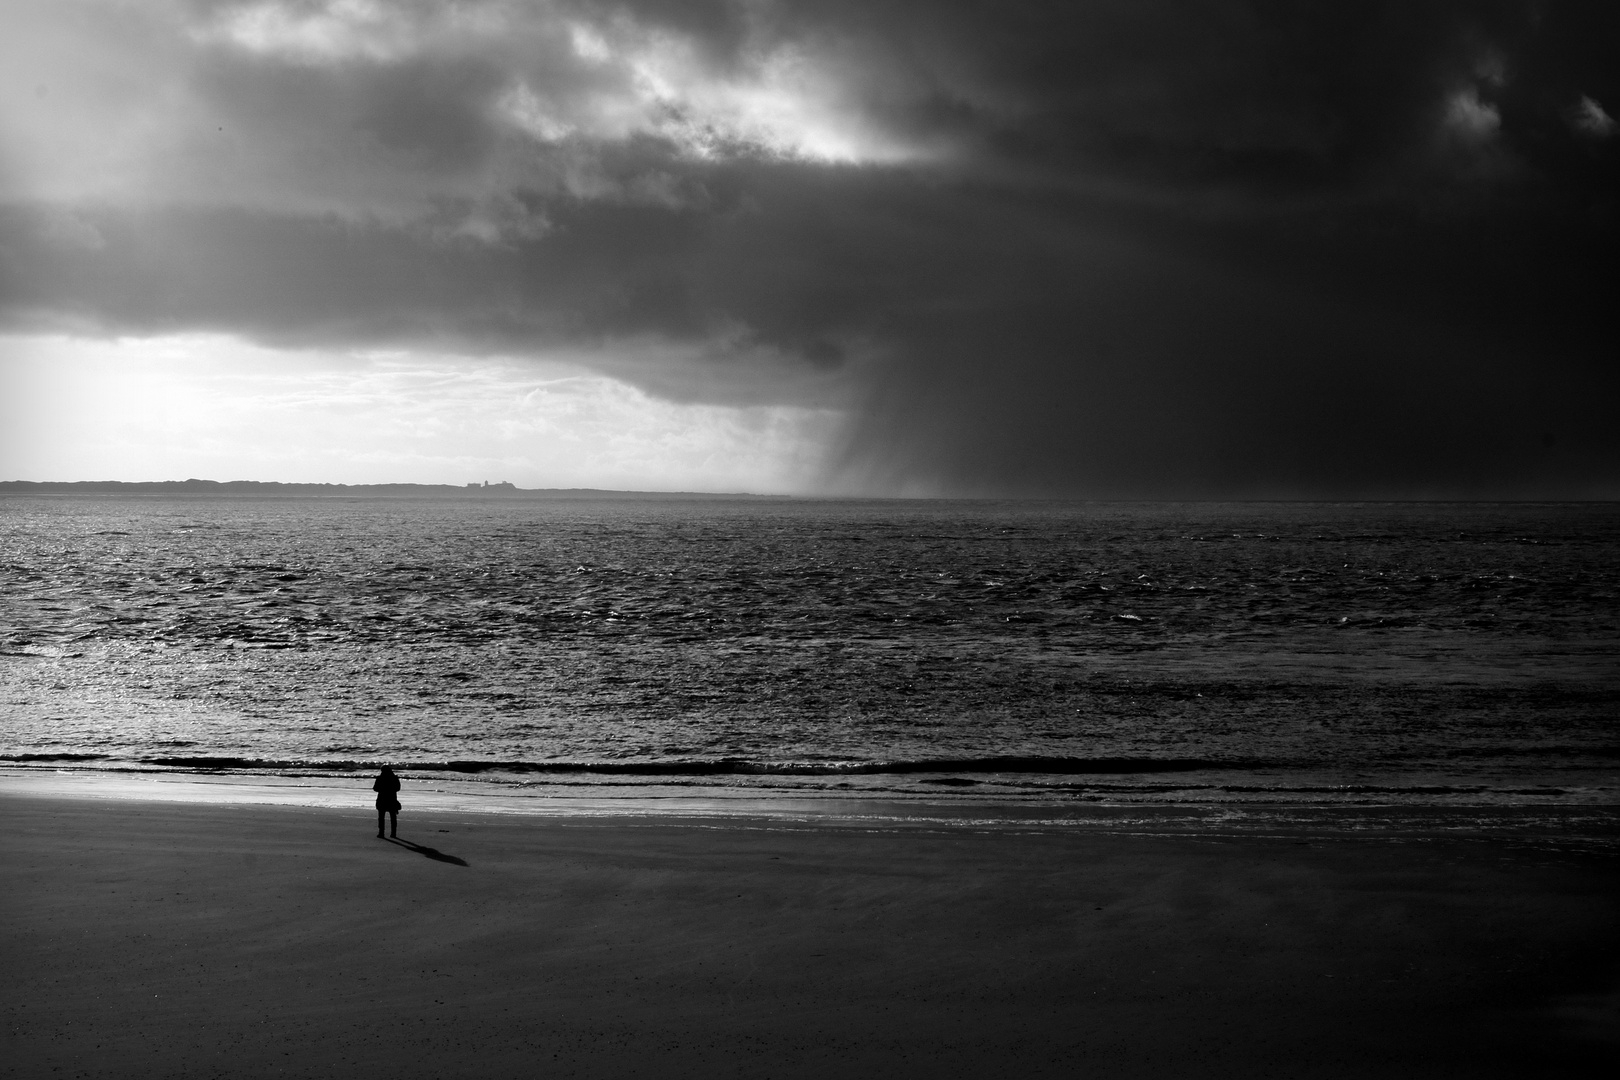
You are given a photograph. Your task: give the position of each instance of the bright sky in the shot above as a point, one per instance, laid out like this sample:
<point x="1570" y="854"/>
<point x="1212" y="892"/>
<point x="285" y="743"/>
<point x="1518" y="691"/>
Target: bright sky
<point x="216" y="408"/>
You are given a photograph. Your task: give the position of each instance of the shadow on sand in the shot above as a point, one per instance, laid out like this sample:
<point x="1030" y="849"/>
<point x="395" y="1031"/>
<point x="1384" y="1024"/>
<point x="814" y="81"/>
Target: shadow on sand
<point x="433" y="853"/>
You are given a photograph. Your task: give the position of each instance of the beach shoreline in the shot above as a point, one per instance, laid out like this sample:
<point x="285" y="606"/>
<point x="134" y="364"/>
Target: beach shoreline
<point x="1550" y="825"/>
<point x="237" y="939"/>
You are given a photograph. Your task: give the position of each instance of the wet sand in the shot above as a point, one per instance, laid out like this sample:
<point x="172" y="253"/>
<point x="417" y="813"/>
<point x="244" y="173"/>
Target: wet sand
<point x="161" y="939"/>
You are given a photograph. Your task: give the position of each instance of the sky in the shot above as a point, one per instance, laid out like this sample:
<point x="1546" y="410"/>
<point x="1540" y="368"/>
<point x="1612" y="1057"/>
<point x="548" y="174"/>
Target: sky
<point x="1102" y="249"/>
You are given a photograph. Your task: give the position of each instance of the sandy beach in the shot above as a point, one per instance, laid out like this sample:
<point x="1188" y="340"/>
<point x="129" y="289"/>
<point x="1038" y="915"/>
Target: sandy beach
<point x="210" y="940"/>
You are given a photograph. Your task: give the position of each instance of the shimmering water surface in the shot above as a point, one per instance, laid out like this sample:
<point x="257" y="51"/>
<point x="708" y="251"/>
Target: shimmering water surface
<point x="1383" y="653"/>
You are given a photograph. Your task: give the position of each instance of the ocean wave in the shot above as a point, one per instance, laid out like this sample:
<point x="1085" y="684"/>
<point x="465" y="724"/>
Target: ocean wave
<point x="1536" y="751"/>
<point x="732" y="766"/>
<point x="51" y="651"/>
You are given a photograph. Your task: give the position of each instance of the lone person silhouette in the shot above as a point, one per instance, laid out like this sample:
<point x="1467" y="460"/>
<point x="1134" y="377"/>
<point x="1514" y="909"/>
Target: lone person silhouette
<point x="387" y="788"/>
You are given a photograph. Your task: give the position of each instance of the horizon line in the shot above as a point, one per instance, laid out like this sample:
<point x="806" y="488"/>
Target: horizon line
<point x="506" y="489"/>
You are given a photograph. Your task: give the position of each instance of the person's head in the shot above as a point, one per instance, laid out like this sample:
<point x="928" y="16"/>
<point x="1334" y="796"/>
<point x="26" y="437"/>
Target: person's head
<point x="388" y="770"/>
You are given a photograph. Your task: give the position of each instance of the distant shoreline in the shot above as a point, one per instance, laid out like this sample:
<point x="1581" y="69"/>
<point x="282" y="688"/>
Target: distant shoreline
<point x="510" y="492"/>
<point x="237" y="488"/>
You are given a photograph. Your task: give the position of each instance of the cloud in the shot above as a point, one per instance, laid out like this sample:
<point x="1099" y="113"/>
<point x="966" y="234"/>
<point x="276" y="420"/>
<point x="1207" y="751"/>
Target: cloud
<point x="356" y="108"/>
<point x="1471" y="118"/>
<point x="337" y="32"/>
<point x="1589" y="118"/>
<point x="1126" y="247"/>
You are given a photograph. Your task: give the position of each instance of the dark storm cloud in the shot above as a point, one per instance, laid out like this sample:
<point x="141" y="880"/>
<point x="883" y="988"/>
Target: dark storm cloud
<point x="1110" y="248"/>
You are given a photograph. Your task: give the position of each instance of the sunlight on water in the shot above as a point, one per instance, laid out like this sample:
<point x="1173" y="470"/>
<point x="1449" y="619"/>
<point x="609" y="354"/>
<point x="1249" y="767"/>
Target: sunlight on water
<point x="1419" y="654"/>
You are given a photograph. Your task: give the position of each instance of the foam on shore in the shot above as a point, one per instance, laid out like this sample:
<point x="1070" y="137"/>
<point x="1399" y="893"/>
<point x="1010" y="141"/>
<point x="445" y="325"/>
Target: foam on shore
<point x="1552" y="828"/>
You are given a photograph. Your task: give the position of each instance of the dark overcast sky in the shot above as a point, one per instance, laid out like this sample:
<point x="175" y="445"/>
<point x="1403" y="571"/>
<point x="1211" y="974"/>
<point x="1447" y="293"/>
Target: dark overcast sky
<point x="1118" y="248"/>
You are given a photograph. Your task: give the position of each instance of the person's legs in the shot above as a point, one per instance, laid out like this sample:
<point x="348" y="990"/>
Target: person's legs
<point x="393" y="823"/>
<point x="379" y="822"/>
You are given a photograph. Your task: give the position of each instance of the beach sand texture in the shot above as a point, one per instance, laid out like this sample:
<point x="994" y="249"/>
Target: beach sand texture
<point x="148" y="939"/>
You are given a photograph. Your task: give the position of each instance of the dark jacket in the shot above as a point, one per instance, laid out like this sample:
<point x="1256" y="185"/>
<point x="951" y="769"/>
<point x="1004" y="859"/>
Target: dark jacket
<point x="387" y="787"/>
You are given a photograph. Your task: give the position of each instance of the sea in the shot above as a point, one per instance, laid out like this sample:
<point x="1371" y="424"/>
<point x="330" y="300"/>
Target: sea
<point x="1047" y="654"/>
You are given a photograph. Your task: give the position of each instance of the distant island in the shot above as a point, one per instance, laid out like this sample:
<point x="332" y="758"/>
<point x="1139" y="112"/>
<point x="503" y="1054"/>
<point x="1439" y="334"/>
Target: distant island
<point x="483" y="490"/>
